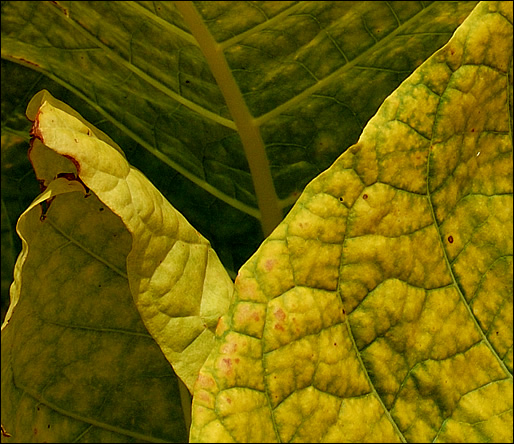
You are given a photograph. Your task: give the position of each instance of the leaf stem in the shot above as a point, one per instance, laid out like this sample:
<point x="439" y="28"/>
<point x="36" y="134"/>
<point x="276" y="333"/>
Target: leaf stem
<point x="247" y="126"/>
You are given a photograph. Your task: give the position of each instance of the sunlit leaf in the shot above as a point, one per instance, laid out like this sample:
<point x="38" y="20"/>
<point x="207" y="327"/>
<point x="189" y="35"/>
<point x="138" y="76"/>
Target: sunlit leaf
<point x="380" y="309"/>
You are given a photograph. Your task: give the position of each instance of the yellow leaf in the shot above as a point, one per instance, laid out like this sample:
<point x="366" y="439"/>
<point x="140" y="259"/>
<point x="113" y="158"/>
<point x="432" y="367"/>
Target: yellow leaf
<point x="380" y="309"/>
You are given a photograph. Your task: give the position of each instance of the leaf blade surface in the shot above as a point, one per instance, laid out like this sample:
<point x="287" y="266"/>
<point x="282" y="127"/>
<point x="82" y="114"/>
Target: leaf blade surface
<point x="116" y="243"/>
<point x="77" y="362"/>
<point x="367" y="304"/>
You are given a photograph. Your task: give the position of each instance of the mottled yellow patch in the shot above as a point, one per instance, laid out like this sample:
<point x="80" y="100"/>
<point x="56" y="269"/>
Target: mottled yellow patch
<point x="248" y="318"/>
<point x="343" y="184"/>
<point x="306" y="415"/>
<point x="291" y="367"/>
<point x="338" y="360"/>
<point x="315" y="264"/>
<point x="248" y="288"/>
<point x="319" y="218"/>
<point x="245" y="414"/>
<point x="472" y="417"/>
<point x="434" y="388"/>
<point x="273" y="269"/>
<point x="388" y="212"/>
<point x="353" y="413"/>
<point x="239" y="362"/>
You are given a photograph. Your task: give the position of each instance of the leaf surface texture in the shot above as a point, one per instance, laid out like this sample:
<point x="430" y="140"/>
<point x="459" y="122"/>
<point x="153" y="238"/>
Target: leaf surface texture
<point x="380" y="309"/>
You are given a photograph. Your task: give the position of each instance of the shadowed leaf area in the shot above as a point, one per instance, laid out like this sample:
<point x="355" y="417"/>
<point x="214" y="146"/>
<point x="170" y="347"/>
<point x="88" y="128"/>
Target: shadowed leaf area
<point x="378" y="310"/>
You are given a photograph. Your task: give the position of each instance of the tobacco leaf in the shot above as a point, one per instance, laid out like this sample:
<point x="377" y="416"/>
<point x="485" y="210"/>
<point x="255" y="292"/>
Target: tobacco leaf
<point x="380" y="309"/>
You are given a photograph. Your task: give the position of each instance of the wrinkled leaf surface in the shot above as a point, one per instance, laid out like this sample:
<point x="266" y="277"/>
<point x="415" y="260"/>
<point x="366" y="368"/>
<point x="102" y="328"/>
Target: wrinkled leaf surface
<point x="101" y="218"/>
<point x="380" y="309"/>
<point x="297" y="70"/>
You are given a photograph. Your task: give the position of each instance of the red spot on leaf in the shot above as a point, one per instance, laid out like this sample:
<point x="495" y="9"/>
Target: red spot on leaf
<point x="279" y="314"/>
<point x="204" y="381"/>
<point x="268" y="266"/>
<point x="450" y="239"/>
<point x="279" y="327"/>
<point x="365" y="196"/>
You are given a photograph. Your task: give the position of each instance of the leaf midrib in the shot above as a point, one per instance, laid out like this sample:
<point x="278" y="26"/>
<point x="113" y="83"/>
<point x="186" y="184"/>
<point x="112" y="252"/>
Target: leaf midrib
<point x="249" y="132"/>
<point x="261" y="213"/>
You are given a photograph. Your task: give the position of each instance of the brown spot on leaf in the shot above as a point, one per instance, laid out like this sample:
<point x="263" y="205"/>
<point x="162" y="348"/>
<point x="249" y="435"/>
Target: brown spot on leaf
<point x="68" y="176"/>
<point x="450" y="239"/>
<point x="227" y="363"/>
<point x="365" y="196"/>
<point x="5" y="433"/>
<point x="29" y="62"/>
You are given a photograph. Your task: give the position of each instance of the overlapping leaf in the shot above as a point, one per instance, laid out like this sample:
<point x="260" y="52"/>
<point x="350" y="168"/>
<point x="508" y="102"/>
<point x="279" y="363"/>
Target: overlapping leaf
<point x="300" y="67"/>
<point x="77" y="362"/>
<point x="380" y="309"/>
<point x="83" y="261"/>
<point x="297" y="267"/>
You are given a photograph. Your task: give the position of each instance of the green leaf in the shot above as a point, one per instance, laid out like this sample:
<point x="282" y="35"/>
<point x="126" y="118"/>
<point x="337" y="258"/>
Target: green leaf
<point x="299" y="68"/>
<point x="77" y="362"/>
<point x="380" y="309"/>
